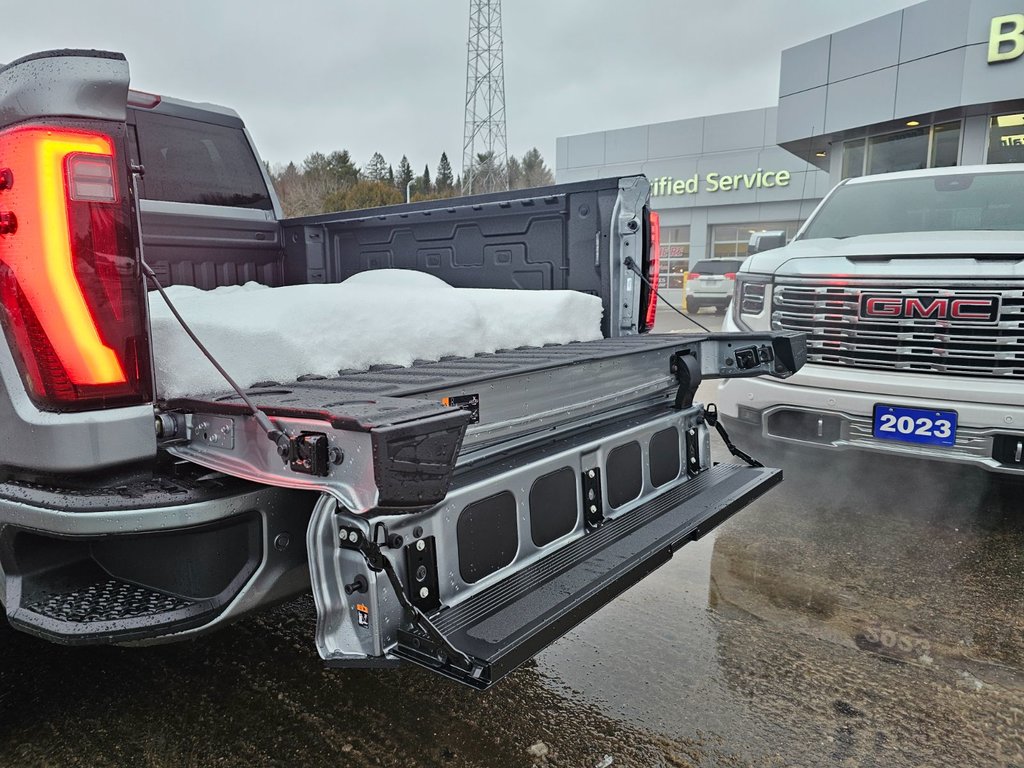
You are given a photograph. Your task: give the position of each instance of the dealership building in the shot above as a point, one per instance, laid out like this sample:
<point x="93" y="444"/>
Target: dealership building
<point x="940" y="83"/>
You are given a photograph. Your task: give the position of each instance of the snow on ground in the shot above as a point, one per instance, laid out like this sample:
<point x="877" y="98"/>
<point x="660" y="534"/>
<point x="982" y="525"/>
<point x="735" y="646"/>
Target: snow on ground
<point x="378" y="317"/>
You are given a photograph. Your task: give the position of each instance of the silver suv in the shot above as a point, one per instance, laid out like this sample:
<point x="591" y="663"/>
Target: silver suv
<point x="710" y="283"/>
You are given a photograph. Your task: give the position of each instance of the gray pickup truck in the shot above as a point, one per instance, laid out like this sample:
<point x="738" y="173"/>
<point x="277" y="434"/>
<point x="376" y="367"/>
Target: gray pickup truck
<point x="458" y="514"/>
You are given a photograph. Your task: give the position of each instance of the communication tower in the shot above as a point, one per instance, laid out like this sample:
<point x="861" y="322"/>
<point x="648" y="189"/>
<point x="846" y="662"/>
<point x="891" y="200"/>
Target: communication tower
<point x="484" y="146"/>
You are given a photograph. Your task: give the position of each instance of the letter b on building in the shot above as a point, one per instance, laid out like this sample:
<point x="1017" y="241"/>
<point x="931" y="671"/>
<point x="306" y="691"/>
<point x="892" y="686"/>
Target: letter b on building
<point x="1006" y="38"/>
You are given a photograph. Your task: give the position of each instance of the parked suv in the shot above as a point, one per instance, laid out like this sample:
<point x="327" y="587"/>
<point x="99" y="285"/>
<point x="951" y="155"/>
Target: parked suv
<point x="710" y="283"/>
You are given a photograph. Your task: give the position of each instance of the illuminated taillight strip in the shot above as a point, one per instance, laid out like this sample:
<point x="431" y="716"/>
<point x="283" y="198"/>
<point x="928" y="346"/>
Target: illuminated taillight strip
<point x="654" y="269"/>
<point x="40" y="255"/>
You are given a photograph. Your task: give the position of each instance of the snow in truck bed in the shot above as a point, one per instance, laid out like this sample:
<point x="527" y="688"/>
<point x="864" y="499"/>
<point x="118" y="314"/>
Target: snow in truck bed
<point x="381" y="317"/>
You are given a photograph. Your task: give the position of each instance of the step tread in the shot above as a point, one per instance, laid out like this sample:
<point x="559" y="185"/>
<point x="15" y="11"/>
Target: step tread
<point x="512" y="620"/>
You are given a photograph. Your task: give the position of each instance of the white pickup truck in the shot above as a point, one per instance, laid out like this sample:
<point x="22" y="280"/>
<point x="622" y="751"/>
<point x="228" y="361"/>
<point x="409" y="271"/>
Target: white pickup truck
<point x="910" y="287"/>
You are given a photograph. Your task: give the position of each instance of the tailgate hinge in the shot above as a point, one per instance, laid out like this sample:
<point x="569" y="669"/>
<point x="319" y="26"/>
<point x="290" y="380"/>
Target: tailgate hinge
<point x="685" y="367"/>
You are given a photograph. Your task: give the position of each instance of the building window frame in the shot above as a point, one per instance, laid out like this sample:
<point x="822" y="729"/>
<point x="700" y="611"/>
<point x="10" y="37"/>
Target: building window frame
<point x="988" y="130"/>
<point x="866" y="146"/>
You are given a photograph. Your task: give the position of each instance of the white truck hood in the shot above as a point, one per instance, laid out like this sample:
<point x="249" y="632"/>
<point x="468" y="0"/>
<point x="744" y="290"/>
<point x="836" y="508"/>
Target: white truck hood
<point x="911" y="254"/>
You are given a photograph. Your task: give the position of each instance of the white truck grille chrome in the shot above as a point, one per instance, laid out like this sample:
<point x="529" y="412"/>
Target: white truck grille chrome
<point x="921" y="336"/>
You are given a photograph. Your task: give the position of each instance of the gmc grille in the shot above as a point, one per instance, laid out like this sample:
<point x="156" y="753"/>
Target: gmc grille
<point x="828" y="312"/>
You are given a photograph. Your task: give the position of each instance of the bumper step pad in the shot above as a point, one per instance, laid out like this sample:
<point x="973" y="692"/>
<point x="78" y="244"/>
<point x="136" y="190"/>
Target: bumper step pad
<point x="104" y="609"/>
<point x="504" y="625"/>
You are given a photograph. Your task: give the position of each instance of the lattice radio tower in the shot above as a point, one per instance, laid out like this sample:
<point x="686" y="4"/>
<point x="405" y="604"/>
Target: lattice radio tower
<point x="485" y="133"/>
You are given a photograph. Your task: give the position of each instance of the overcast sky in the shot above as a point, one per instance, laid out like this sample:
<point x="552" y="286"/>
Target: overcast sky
<point x="390" y="75"/>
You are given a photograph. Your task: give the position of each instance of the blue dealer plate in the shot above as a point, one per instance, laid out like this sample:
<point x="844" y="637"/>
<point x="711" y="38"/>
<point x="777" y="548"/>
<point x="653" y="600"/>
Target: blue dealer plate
<point x="915" y="425"/>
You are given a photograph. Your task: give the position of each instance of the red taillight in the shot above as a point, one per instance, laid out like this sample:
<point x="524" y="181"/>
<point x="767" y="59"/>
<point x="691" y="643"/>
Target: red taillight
<point x="693" y="276"/>
<point x="730" y="275"/>
<point x="653" y="270"/>
<point x="73" y="299"/>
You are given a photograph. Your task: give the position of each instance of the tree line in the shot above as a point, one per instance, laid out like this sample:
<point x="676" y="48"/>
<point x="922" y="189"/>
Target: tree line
<point x="333" y="182"/>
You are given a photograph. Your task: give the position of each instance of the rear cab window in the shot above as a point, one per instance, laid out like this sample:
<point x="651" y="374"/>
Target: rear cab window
<point x="190" y="161"/>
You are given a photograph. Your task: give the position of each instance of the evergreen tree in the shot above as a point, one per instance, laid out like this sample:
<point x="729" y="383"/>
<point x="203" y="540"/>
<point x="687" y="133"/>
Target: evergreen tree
<point x="365" y="194"/>
<point x="336" y="168"/>
<point x="488" y="174"/>
<point x="290" y="172"/>
<point x="341" y="167"/>
<point x="391" y="175"/>
<point x="535" y="172"/>
<point x="444" y="182"/>
<point x="423" y="185"/>
<point x="404" y="175"/>
<point x="377" y="168"/>
<point x="515" y="174"/>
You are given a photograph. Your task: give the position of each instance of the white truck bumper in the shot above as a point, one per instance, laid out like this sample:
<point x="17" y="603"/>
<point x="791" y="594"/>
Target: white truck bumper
<point x="833" y="408"/>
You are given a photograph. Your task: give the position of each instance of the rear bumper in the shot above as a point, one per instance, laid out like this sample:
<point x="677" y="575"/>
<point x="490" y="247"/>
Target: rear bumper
<point x="834" y="419"/>
<point x="717" y="298"/>
<point x="152" y="570"/>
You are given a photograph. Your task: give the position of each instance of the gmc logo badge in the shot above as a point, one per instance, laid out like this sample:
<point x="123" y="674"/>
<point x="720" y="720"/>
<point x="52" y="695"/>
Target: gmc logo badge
<point x="970" y="309"/>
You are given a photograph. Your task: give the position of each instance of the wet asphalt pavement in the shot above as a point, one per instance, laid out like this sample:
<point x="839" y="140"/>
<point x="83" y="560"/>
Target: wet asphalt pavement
<point x="864" y="613"/>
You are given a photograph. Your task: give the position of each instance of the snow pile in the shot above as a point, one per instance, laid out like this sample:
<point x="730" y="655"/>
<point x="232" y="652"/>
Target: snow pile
<point x="379" y="317"/>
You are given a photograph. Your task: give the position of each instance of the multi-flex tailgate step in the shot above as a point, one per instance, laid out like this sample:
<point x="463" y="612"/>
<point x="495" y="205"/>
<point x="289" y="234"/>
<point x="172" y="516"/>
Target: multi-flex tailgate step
<point x="506" y="624"/>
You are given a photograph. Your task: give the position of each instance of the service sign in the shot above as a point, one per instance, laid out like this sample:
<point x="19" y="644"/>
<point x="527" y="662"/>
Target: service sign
<point x="719" y="182"/>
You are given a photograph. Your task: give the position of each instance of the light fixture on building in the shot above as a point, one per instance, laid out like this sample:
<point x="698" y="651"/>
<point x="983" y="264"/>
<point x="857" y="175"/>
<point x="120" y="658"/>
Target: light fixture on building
<point x="820" y="154"/>
<point x="913" y="123"/>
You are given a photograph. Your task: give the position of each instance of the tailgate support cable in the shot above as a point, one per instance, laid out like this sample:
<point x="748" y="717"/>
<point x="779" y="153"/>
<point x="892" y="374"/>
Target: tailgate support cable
<point x="262" y="419"/>
<point x="711" y="417"/>
<point x="631" y="265"/>
<point x="377" y="561"/>
<point x="687" y="371"/>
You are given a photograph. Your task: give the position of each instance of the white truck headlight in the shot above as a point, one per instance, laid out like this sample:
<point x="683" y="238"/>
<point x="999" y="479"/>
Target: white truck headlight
<point x="750" y="301"/>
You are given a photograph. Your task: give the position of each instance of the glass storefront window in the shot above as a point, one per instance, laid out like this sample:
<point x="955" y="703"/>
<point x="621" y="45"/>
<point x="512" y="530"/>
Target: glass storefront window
<point x="853" y="158"/>
<point x="1006" y="139"/>
<point x="936" y="146"/>
<point x="945" y="145"/>
<point x="675" y="256"/>
<point x="903" y="151"/>
<point x="729" y="241"/>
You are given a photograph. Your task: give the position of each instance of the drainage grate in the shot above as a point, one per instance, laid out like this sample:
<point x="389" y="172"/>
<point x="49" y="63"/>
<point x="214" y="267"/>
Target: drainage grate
<point x="111" y="600"/>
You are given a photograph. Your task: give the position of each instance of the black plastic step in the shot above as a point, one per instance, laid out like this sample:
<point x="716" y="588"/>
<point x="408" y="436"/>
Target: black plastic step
<point x="511" y="621"/>
<point x="112" y="588"/>
<point x="107" y="609"/>
<point x="110" y="600"/>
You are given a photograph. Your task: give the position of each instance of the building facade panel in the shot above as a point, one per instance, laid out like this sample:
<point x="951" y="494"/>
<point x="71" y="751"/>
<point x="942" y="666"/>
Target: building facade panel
<point x="865" y="48"/>
<point x="587" y="149"/>
<point x="801" y="114"/>
<point x="625" y="145"/>
<point x="935" y="27"/>
<point x="861" y="100"/>
<point x="805" y="67"/>
<point x="680" y="137"/>
<point x="930" y="84"/>
<point x="736" y="131"/>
